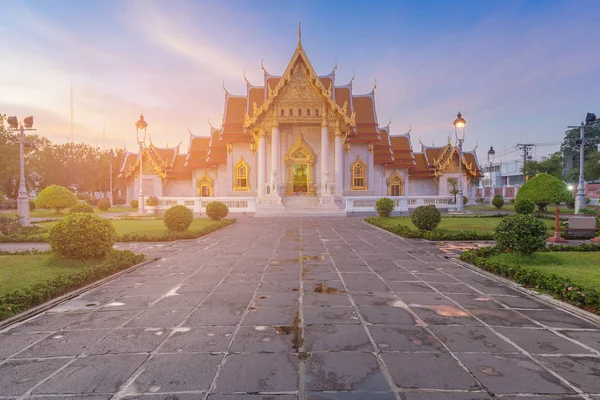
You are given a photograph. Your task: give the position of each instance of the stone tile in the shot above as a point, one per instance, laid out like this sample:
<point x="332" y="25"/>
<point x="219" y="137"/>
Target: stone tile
<point x="364" y="283"/>
<point x="448" y="396"/>
<point x="322" y="299"/>
<point x="130" y="340"/>
<point x="276" y="299"/>
<point x="129" y="303"/>
<point x="46" y="323"/>
<point x="387" y="315"/>
<point x="196" y="287"/>
<point x="270" y="316"/>
<point x="216" y="315"/>
<point x="502" y="317"/>
<point x="237" y="287"/>
<point x="405" y="339"/>
<point x="336" y="338"/>
<point x="539" y="341"/>
<point x="263" y="339"/>
<point x="399" y="275"/>
<point x="344" y="371"/>
<point x="19" y="376"/>
<point x="336" y="286"/>
<point x="165" y="396"/>
<point x="410" y="287"/>
<point x="275" y="372"/>
<point x="160" y="318"/>
<point x="425" y="299"/>
<point x="79" y="397"/>
<point x="589" y="338"/>
<point x="506" y="373"/>
<point x="278" y="287"/>
<point x="13" y="343"/>
<point x="522" y="302"/>
<point x="453" y="288"/>
<point x="64" y="343"/>
<point x="558" y="319"/>
<point x="416" y="370"/>
<point x="228" y="299"/>
<point x="178" y="372"/>
<point x="472" y="339"/>
<point x="94" y="374"/>
<point x="252" y="397"/>
<point x="198" y="340"/>
<point x="386" y="299"/>
<point x="190" y="300"/>
<point x="474" y="300"/>
<point x="436" y="278"/>
<point x="330" y="315"/>
<point x="445" y="315"/>
<point x="580" y="371"/>
<point x="103" y="320"/>
<point x="358" y="395"/>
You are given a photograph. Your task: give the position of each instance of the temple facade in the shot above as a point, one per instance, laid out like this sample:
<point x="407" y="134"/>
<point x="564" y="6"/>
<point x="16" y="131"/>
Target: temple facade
<point x="299" y="135"/>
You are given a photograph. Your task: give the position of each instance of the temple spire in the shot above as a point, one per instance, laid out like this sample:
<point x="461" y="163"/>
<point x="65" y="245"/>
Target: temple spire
<point x="299" y="35"/>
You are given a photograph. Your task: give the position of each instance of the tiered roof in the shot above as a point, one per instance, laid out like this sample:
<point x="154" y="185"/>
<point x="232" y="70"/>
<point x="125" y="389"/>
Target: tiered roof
<point x="165" y="161"/>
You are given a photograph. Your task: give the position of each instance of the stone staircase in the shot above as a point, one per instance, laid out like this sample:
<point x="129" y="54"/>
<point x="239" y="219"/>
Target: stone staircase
<point x="299" y="206"/>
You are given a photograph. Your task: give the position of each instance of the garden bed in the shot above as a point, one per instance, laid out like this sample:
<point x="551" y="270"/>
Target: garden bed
<point x="568" y="273"/>
<point x="27" y="280"/>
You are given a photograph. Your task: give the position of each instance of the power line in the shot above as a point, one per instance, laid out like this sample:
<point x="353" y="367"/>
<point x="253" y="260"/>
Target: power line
<point x="526" y="149"/>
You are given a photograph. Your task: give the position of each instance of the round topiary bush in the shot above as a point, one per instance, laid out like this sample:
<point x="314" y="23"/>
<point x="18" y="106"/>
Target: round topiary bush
<point x="570" y="202"/>
<point x="103" y="204"/>
<point x="57" y="197"/>
<point x="426" y="218"/>
<point x="465" y="200"/>
<point x="520" y="233"/>
<point x="178" y="218"/>
<point x="82" y="236"/>
<point x="216" y="210"/>
<point x="134" y="203"/>
<point x="81" y="207"/>
<point x="384" y="207"/>
<point x="498" y="201"/>
<point x="524" y="206"/>
<point x="544" y="189"/>
<point x="152" y="201"/>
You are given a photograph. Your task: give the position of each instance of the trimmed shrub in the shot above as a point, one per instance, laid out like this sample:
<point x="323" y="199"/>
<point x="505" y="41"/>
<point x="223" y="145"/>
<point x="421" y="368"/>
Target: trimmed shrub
<point x="8" y="224"/>
<point x="178" y="218"/>
<point x="498" y="201"/>
<point x="82" y="236"/>
<point x="590" y="211"/>
<point x="570" y="202"/>
<point x="152" y="201"/>
<point x="426" y="218"/>
<point x="216" y="210"/>
<point x="588" y="200"/>
<point x="103" y="204"/>
<point x="134" y="203"/>
<point x="384" y="207"/>
<point x="544" y="189"/>
<point x="524" y="206"/>
<point x="31" y="205"/>
<point x="81" y="207"/>
<point x="520" y="233"/>
<point x="57" y="197"/>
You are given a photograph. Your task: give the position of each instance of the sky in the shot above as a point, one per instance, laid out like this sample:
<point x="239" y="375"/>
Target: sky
<point x="519" y="71"/>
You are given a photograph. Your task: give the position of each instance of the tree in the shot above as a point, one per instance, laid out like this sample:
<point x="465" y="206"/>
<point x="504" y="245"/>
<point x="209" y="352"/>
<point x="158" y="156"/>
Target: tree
<point x="57" y="197"/>
<point x="453" y="191"/>
<point x="542" y="190"/>
<point x="552" y="165"/>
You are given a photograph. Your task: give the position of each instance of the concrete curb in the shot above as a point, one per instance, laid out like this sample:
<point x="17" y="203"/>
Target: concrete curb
<point x="513" y="285"/>
<point x="71" y="295"/>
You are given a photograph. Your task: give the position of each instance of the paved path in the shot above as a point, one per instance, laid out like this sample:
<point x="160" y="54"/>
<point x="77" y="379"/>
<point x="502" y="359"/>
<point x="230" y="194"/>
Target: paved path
<point x="302" y="308"/>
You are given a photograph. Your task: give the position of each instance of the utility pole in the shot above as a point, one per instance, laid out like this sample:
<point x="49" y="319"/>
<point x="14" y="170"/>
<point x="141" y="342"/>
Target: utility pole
<point x="590" y="120"/>
<point x="525" y="148"/>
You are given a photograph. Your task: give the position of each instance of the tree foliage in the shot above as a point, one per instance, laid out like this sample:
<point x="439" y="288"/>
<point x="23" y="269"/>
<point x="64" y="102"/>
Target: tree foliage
<point x="542" y="190"/>
<point x="552" y="165"/>
<point x="55" y="196"/>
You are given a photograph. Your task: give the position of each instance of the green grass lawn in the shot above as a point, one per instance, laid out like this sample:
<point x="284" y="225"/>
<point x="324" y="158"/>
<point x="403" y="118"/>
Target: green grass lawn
<point x="151" y="228"/>
<point x="488" y="207"/>
<point x="462" y="224"/>
<point x="48" y="213"/>
<point x="21" y="271"/>
<point x="579" y="267"/>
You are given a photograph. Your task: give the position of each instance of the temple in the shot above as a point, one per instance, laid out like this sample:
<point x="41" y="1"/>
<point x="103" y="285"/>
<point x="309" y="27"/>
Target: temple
<point x="299" y="137"/>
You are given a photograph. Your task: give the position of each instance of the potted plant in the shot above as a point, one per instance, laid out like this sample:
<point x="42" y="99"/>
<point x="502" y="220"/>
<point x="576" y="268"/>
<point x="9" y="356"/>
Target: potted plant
<point x="151" y="203"/>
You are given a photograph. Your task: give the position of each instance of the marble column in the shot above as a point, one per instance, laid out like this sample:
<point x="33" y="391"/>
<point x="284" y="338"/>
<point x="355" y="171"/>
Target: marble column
<point x="274" y="176"/>
<point x="230" y="171"/>
<point x="324" y="158"/>
<point x="339" y="162"/>
<point x="371" y="168"/>
<point x="262" y="163"/>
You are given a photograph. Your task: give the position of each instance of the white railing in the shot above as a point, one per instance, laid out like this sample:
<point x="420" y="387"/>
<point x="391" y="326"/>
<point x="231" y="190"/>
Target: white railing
<point x="401" y="203"/>
<point x="198" y="204"/>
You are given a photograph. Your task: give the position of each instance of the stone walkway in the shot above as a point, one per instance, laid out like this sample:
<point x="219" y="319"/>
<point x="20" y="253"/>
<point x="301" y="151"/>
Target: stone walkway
<point x="302" y="309"/>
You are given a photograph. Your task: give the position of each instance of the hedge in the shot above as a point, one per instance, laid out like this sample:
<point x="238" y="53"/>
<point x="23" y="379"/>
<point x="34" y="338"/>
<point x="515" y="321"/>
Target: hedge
<point x="20" y="300"/>
<point x="532" y="277"/>
<point x="170" y="236"/>
<point x="407" y="232"/>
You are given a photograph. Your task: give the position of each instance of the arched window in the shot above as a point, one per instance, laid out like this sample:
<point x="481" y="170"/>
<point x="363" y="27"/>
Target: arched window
<point x="308" y="112"/>
<point x="358" y="172"/>
<point x="395" y="185"/>
<point x="205" y="186"/>
<point x="282" y="113"/>
<point x="317" y="112"/>
<point x="242" y="176"/>
<point x="299" y="112"/>
<point x="291" y="113"/>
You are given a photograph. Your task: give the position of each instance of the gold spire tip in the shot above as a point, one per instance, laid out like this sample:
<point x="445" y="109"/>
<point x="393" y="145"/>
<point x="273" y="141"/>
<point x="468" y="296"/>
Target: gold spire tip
<point x="299" y="34"/>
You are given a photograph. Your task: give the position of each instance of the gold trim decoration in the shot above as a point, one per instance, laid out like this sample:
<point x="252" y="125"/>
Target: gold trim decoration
<point x="205" y="181"/>
<point x="371" y="147"/>
<point x="393" y="180"/>
<point x="358" y="175"/>
<point x="241" y="175"/>
<point x="300" y="153"/>
<point x="229" y="148"/>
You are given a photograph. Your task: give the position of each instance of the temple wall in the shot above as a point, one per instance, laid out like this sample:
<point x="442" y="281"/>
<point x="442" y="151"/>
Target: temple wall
<point x="178" y="188"/>
<point x="152" y="186"/>
<point x="422" y="187"/>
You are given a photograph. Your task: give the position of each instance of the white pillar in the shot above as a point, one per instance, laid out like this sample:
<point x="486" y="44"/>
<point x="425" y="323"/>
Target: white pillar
<point x="230" y="171"/>
<point x="339" y="162"/>
<point x="371" y="167"/>
<point x="262" y="163"/>
<point x="274" y="176"/>
<point x="324" y="158"/>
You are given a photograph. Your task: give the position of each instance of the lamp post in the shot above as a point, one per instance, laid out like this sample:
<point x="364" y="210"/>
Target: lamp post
<point x="491" y="154"/>
<point x="590" y="119"/>
<point x="141" y="126"/>
<point x="111" y="155"/>
<point x="23" y="199"/>
<point x="459" y="132"/>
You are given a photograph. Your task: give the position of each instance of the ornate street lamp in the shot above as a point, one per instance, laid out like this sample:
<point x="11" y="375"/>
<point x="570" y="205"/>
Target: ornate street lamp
<point x="491" y="154"/>
<point x="23" y="199"/>
<point x="140" y="128"/>
<point x="459" y="132"/>
<point x="590" y="120"/>
<point x="111" y="156"/>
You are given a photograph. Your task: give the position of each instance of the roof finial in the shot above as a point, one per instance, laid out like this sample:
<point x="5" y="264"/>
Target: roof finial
<point x="352" y="79"/>
<point x="409" y="130"/>
<point x="224" y="88"/>
<point x="245" y="78"/>
<point x="335" y="68"/>
<point x="299" y="35"/>
<point x="421" y="143"/>
<point x="374" y="85"/>
<point x="476" y="145"/>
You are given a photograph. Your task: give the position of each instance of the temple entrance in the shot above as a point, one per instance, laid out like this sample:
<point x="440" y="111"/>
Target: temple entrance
<point x="300" y="180"/>
<point x="300" y="164"/>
